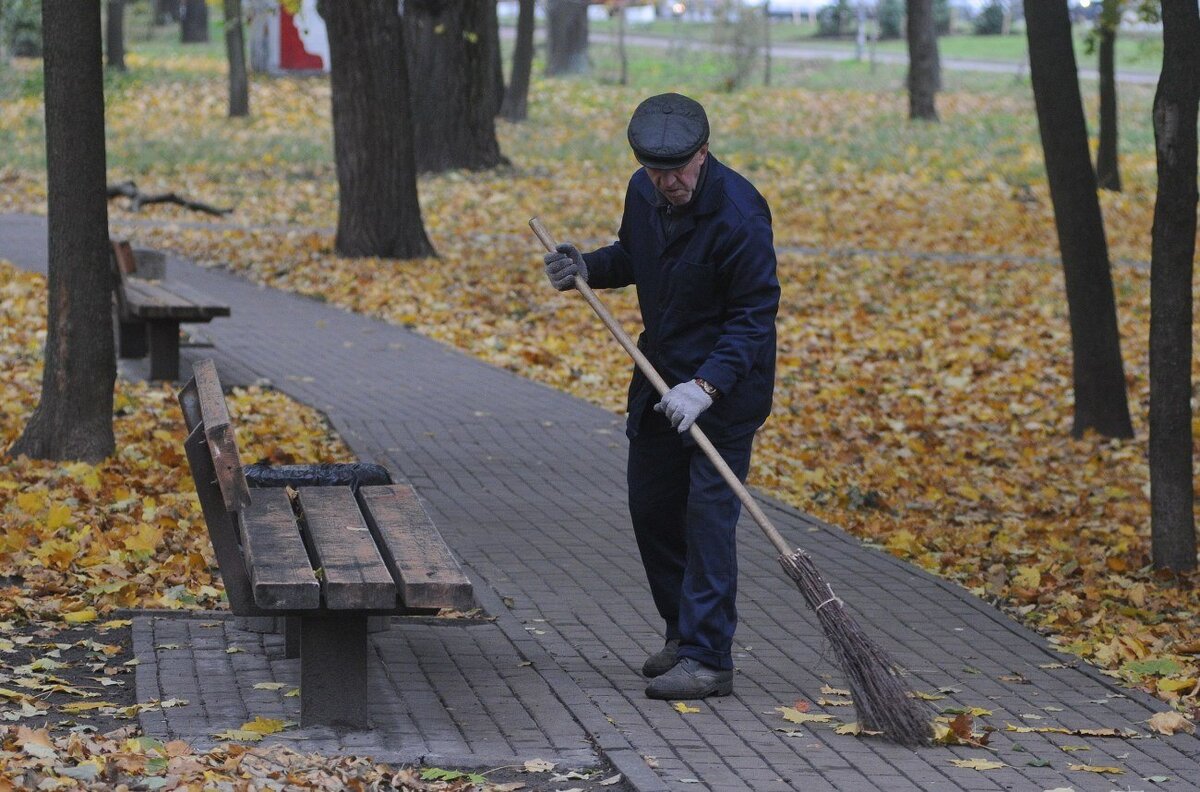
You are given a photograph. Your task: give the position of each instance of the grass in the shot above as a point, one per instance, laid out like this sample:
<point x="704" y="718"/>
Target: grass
<point x="1135" y="50"/>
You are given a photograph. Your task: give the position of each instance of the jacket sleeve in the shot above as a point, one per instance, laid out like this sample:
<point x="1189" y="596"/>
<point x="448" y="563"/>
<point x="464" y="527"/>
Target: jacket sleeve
<point x="747" y="271"/>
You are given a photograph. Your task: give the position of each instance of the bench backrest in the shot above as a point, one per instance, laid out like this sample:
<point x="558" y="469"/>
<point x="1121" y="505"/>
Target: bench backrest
<point x="370" y="548"/>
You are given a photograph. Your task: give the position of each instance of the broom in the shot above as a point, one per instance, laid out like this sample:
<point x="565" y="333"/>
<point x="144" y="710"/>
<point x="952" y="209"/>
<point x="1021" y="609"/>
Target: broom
<point x="883" y="703"/>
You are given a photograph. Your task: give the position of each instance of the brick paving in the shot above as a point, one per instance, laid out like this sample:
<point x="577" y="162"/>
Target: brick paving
<point x="527" y="486"/>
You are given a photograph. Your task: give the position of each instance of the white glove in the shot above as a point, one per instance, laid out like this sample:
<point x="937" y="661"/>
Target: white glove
<point x="683" y="404"/>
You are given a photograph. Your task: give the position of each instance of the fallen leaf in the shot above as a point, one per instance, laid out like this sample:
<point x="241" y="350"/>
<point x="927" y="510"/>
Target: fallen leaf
<point x="977" y="764"/>
<point x="1096" y="769"/>
<point x="796" y="716"/>
<point x="683" y="708"/>
<point x="1171" y="723"/>
<point x="538" y="766"/>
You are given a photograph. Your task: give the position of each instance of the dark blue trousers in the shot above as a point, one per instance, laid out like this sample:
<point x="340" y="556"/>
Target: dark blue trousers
<point x="684" y="517"/>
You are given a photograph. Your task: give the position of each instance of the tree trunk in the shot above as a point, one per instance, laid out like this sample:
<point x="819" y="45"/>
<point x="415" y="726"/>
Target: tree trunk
<point x="115" y="35"/>
<point x="73" y="419"/>
<point x="567" y="37"/>
<point x="1099" y="376"/>
<point x="622" y="56"/>
<point x="1108" y="174"/>
<point x="378" y="212"/>
<point x="193" y="22"/>
<point x="452" y="45"/>
<point x="1173" y="248"/>
<point x="235" y="50"/>
<point x="924" y="66"/>
<point x="166" y="12"/>
<point x="516" y="97"/>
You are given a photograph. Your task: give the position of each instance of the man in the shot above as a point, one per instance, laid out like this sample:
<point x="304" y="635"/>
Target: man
<point x="695" y="239"/>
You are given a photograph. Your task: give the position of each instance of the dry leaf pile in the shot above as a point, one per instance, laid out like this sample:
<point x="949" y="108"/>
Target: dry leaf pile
<point x="77" y="540"/>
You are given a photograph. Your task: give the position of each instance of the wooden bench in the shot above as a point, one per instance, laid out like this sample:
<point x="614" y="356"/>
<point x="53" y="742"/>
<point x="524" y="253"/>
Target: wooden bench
<point x="149" y="310"/>
<point x="329" y="558"/>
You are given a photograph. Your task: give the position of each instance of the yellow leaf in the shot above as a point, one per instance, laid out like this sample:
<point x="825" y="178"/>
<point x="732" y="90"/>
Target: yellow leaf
<point x="58" y="516"/>
<point x="243" y="735"/>
<point x="854" y="729"/>
<point x="1096" y="769"/>
<point x="977" y="764"/>
<point x="832" y="691"/>
<point x="80" y="616"/>
<point x="682" y="707"/>
<point x="268" y="685"/>
<point x="796" y="716"/>
<point x="75" y="707"/>
<point x="263" y="725"/>
<point x="145" y="540"/>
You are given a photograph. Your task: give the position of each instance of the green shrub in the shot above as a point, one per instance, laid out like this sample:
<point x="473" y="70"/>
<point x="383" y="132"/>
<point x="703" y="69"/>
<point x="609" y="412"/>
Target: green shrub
<point x="891" y="19"/>
<point x="21" y="27"/>
<point x="836" y="20"/>
<point x="990" y="21"/>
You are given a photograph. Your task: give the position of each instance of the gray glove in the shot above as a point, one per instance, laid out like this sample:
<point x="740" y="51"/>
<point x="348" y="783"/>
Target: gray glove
<point x="683" y="404"/>
<point x="564" y="265"/>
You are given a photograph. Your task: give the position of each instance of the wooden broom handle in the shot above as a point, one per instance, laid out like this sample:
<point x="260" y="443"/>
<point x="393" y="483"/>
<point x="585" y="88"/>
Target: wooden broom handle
<point x="647" y="368"/>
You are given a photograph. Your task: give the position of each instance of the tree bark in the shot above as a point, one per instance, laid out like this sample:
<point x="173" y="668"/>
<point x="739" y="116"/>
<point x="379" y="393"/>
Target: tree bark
<point x="378" y="212"/>
<point x="235" y="51"/>
<point x="115" y="35"/>
<point x="453" y="45"/>
<point x="73" y="419"/>
<point x="924" y="66"/>
<point x="516" y="97"/>
<point x="193" y="22"/>
<point x="567" y="37"/>
<point x="1097" y="369"/>
<point x="1173" y="249"/>
<point x="1108" y="174"/>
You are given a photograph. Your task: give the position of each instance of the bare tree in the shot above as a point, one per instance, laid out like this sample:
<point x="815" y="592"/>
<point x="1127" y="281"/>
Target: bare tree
<point x="454" y="46"/>
<point x="235" y="51"/>
<point x="114" y="34"/>
<point x="567" y="37"/>
<point x="515" y="106"/>
<point x="1173" y="250"/>
<point x="924" y="66"/>
<point x="73" y="419"/>
<point x="1108" y="172"/>
<point x="193" y="22"/>
<point x="1098" y="372"/>
<point x="378" y="211"/>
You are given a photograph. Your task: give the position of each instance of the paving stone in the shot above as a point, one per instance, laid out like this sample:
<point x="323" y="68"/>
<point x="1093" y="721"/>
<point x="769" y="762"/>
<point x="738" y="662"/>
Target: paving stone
<point x="497" y="460"/>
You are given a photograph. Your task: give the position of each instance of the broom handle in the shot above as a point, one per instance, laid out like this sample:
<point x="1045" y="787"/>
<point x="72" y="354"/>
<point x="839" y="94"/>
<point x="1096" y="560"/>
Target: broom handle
<point x="647" y="368"/>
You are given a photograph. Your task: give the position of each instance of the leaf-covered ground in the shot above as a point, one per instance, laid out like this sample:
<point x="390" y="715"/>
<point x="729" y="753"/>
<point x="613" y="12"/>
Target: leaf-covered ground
<point x="923" y="404"/>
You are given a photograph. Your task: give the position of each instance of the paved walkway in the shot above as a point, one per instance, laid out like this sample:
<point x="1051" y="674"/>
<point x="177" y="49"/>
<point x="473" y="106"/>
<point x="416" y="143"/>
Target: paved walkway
<point x="527" y="486"/>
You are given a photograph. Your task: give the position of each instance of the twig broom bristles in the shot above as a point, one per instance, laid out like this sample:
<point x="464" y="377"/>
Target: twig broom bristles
<point x="883" y="702"/>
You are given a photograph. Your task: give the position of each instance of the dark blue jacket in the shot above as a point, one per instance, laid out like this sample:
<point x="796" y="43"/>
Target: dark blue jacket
<point x="708" y="296"/>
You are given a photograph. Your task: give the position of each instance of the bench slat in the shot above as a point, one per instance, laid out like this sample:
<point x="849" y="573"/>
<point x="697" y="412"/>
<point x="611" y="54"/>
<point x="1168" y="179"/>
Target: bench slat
<point x="222" y="442"/>
<point x="146" y="299"/>
<point x="413" y="550"/>
<point x="281" y="575"/>
<point x="355" y="576"/>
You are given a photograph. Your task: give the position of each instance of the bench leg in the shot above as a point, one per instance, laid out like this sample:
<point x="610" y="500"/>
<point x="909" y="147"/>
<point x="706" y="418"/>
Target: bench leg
<point x="333" y="671"/>
<point x="131" y="340"/>
<point x="291" y="637"/>
<point x="164" y="350"/>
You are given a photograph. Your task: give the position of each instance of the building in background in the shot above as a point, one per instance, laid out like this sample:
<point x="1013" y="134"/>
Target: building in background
<point x="282" y="42"/>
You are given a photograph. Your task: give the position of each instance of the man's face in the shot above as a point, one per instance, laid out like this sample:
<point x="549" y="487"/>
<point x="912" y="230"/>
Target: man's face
<point x="679" y="184"/>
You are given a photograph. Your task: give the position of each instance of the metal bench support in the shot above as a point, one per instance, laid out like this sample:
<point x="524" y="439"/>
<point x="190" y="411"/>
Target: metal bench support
<point x="164" y="349"/>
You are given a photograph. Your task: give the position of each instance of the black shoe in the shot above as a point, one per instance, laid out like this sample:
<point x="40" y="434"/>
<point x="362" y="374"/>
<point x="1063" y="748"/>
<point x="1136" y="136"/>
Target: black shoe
<point x="691" y="679"/>
<point x="661" y="661"/>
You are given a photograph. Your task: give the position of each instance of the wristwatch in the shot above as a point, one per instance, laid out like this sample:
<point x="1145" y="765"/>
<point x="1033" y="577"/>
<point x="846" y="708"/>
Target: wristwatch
<point x="708" y="388"/>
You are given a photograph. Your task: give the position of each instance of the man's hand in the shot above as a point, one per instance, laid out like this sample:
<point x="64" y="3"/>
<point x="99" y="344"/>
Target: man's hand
<point x="683" y="404"/>
<point x="564" y="265"/>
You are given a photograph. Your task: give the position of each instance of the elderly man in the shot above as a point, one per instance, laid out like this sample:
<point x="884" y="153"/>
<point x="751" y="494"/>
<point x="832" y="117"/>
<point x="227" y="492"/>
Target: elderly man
<point x="695" y="239"/>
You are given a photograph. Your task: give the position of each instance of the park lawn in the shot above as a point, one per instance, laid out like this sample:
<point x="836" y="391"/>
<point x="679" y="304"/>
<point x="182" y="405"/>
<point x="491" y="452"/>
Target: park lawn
<point x="922" y="404"/>
<point x="1135" y="50"/>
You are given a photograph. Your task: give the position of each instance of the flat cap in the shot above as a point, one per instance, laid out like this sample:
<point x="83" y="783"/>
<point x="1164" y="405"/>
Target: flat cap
<point x="666" y="130"/>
